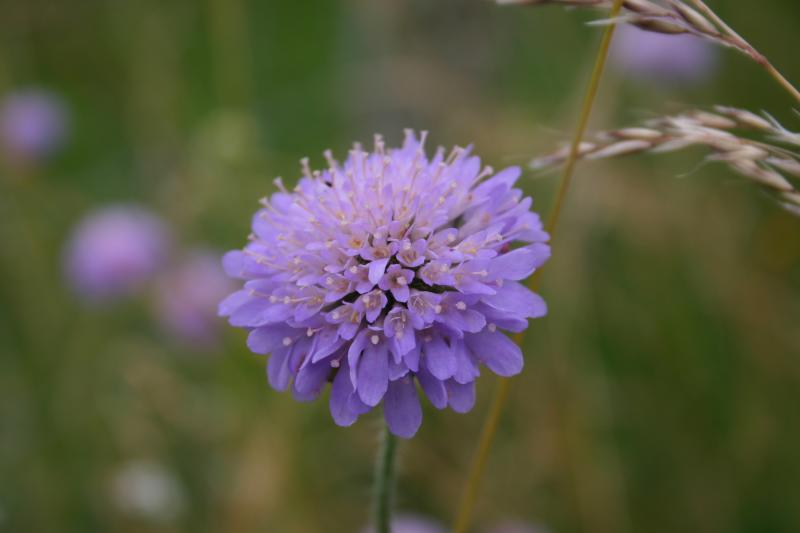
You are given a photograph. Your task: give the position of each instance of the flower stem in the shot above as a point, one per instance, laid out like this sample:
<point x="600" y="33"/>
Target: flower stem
<point x="755" y="54"/>
<point x="478" y="465"/>
<point x="384" y="482"/>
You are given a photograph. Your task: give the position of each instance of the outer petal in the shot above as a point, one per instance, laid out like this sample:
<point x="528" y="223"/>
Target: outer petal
<point x="373" y="374"/>
<point x="278" y="373"/>
<point x="520" y="263"/>
<point x="310" y="380"/>
<point x="433" y="388"/>
<point x="439" y="358"/>
<point x="266" y="339"/>
<point x="515" y="299"/>
<point x="401" y="408"/>
<point x="341" y="407"/>
<point x="461" y="398"/>
<point x="496" y="351"/>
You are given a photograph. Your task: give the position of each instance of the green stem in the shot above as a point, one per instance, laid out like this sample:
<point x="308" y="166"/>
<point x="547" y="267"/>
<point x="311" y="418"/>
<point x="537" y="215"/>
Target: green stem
<point x="384" y="482"/>
<point x="478" y="465"/>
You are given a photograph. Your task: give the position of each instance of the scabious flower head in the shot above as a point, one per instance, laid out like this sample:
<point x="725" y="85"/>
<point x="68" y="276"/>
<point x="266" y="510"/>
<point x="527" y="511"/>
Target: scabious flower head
<point x="670" y="59"/>
<point x="33" y="124"/>
<point x="187" y="298"/>
<point x="114" y="251"/>
<point x="388" y="271"/>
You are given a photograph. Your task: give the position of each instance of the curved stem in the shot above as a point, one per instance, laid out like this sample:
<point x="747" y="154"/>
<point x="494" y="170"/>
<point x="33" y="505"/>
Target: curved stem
<point x="756" y="55"/>
<point x="384" y="482"/>
<point x="489" y="429"/>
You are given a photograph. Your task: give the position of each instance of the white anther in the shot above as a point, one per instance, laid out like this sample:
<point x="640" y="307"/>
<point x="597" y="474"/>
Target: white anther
<point x="437" y="309"/>
<point x="461" y="306"/>
<point x="354" y="269"/>
<point x="492" y="327"/>
<point x="451" y="237"/>
<point x="406" y="246"/>
<point x="335" y="315"/>
<point x="375" y="339"/>
<point x="309" y="332"/>
<point x="401" y="280"/>
<point x="329" y="280"/>
<point x="287" y="300"/>
<point x="335" y="363"/>
<point x="287" y="341"/>
<point x="273" y="299"/>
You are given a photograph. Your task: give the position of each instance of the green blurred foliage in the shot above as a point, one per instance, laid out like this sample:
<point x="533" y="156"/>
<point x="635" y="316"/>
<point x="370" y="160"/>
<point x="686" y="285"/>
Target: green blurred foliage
<point x="660" y="394"/>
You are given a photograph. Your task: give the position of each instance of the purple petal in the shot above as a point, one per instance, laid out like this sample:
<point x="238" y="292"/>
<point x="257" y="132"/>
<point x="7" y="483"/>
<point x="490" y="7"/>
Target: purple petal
<point x="439" y="358"/>
<point x="373" y="374"/>
<point x="377" y="269"/>
<point x="433" y="388"/>
<point x="520" y="263"/>
<point x="461" y="398"/>
<point x="401" y="408"/>
<point x="310" y="380"/>
<point x="496" y="351"/>
<point x="342" y="410"/>
<point x="517" y="300"/>
<point x="266" y="339"/>
<point x="278" y="373"/>
<point x="260" y="312"/>
<point x="230" y="304"/>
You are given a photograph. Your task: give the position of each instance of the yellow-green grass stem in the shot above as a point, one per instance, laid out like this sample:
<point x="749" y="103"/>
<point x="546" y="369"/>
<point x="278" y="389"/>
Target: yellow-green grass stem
<point x="478" y="464"/>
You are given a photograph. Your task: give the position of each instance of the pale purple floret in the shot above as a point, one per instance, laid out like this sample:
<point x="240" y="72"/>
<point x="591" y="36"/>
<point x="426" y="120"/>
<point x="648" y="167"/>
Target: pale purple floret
<point x="409" y="523"/>
<point x="33" y="124"/>
<point x="388" y="274"/>
<point x="663" y="58"/>
<point x="187" y="298"/>
<point x="113" y="251"/>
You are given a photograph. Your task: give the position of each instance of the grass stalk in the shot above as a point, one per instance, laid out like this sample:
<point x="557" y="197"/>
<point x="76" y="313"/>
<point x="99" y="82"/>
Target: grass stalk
<point x="478" y="464"/>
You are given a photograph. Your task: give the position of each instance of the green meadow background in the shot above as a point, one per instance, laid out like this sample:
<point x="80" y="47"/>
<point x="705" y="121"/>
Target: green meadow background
<point x="661" y="394"/>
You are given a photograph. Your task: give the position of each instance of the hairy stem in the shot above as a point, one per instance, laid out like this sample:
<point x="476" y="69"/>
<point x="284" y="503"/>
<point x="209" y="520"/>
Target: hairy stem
<point x="757" y="56"/>
<point x="478" y="464"/>
<point x="384" y="482"/>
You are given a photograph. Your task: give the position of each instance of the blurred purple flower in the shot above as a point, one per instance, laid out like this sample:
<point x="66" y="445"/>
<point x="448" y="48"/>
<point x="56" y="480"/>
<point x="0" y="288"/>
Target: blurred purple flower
<point x="388" y="271"/>
<point x="411" y="524"/>
<point x="33" y="124"/>
<point x="186" y="302"/>
<point x="670" y="59"/>
<point x="114" y="251"/>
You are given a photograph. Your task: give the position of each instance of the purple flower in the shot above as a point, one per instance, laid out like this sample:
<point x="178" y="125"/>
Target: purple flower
<point x="388" y="272"/>
<point x="670" y="59"/>
<point x="187" y="298"/>
<point x="410" y="523"/>
<point x="33" y="124"/>
<point x="114" y="251"/>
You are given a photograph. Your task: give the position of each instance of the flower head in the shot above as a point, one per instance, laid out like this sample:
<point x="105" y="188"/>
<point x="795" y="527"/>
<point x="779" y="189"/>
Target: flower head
<point x="114" y="251"/>
<point x="33" y="124"/>
<point x="387" y="271"/>
<point x="671" y="59"/>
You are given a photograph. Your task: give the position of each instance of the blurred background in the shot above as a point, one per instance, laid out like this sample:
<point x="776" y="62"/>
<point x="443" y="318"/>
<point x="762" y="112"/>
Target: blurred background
<point x="137" y="136"/>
